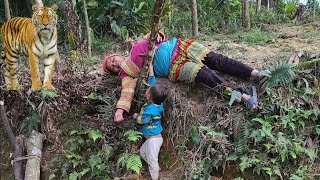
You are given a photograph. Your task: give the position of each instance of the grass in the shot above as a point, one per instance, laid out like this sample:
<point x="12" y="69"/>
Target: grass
<point x="255" y="37"/>
<point x="310" y="34"/>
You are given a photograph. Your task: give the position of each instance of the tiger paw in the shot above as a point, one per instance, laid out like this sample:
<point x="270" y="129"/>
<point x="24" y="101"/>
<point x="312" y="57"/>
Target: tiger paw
<point x="36" y="86"/>
<point x="47" y="87"/>
<point x="14" y="86"/>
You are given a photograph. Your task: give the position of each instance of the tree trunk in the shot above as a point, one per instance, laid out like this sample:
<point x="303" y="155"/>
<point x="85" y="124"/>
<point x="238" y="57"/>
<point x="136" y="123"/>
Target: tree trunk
<point x="7" y="9"/>
<point x="72" y="24"/>
<point x="87" y="27"/>
<point x="314" y="10"/>
<point x="18" y="148"/>
<point x="268" y="5"/>
<point x="34" y="146"/>
<point x="195" y="31"/>
<point x="245" y="15"/>
<point x="258" y="6"/>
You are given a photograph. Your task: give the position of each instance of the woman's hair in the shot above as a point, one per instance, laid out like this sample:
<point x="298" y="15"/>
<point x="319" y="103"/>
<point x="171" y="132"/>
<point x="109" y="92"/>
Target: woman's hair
<point x="158" y="93"/>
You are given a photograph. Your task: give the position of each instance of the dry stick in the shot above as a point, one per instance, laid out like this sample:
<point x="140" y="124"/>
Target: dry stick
<point x="17" y="166"/>
<point x="158" y="9"/>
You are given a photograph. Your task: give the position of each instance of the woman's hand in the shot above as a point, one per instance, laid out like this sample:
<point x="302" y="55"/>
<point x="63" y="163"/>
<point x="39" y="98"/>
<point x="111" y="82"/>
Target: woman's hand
<point x="151" y="72"/>
<point x="118" y="116"/>
<point x="135" y="115"/>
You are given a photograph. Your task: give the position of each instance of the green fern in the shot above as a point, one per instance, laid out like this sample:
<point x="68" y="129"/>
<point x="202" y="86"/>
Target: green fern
<point x="237" y="123"/>
<point x="122" y="160"/>
<point x="134" y="163"/>
<point x="131" y="161"/>
<point x="242" y="141"/>
<point x="281" y="75"/>
<point x="133" y="135"/>
<point x="47" y="94"/>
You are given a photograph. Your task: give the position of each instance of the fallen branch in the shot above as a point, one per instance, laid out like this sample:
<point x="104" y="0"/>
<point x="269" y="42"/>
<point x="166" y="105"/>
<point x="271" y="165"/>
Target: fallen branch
<point x="18" y="148"/>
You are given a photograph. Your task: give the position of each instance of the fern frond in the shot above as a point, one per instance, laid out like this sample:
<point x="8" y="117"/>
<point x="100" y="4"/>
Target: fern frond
<point x="303" y="64"/>
<point x="237" y="123"/>
<point x="123" y="159"/>
<point x="133" y="135"/>
<point x="241" y="144"/>
<point x="134" y="163"/>
<point x="282" y="74"/>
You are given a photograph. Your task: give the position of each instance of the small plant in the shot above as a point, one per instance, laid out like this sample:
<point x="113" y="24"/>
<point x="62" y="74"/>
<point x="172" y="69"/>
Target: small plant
<point x="131" y="161"/>
<point x="31" y="122"/>
<point x="88" y="156"/>
<point x="104" y="98"/>
<point x="48" y="94"/>
<point x="132" y="135"/>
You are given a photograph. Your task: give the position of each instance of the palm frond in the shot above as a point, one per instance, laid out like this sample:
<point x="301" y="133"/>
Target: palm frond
<point x="282" y="74"/>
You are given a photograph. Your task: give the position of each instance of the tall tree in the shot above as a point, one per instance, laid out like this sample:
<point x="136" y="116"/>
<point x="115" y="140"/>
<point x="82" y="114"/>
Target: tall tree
<point x="195" y="31"/>
<point x="314" y="10"/>
<point x="7" y="9"/>
<point x="258" y="6"/>
<point x="87" y="27"/>
<point x="72" y="23"/>
<point x="245" y="15"/>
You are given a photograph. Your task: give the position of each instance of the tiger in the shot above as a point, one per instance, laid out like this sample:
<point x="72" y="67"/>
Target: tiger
<point x="34" y="37"/>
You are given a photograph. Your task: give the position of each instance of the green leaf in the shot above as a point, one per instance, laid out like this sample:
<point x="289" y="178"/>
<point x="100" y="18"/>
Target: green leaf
<point x="195" y="135"/>
<point x="232" y="157"/>
<point x="95" y="134"/>
<point x="94" y="161"/>
<point x="139" y="8"/>
<point x="115" y="28"/>
<point x="311" y="154"/>
<point x="73" y="176"/>
<point x="45" y="94"/>
<point x="133" y="135"/>
<point x="117" y="3"/>
<point x="227" y="91"/>
<point x="134" y="163"/>
<point x="84" y="171"/>
<point x="268" y="171"/>
<point x="123" y="159"/>
<point x="92" y="95"/>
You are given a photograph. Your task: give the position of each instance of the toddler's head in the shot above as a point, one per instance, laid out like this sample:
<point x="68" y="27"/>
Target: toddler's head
<point x="156" y="94"/>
